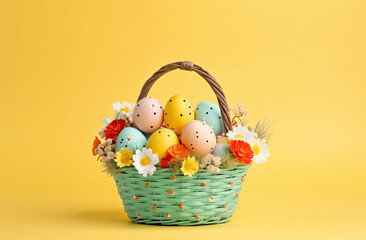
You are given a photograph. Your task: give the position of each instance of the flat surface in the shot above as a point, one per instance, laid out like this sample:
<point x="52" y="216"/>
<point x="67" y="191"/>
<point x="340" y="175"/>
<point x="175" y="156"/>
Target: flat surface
<point x="257" y="217"/>
<point x="300" y="63"/>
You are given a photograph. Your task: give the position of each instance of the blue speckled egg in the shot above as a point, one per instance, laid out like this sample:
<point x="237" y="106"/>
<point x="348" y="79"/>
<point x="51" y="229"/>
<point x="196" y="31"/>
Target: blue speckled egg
<point x="221" y="150"/>
<point x="210" y="113"/>
<point x="130" y="138"/>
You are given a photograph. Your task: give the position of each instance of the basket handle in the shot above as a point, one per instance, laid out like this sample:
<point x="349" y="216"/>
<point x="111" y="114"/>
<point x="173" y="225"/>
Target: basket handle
<point x="190" y="66"/>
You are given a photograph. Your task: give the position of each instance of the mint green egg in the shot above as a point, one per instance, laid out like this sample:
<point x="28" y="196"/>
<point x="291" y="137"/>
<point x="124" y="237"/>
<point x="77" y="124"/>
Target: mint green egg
<point x="211" y="114"/>
<point x="130" y="138"/>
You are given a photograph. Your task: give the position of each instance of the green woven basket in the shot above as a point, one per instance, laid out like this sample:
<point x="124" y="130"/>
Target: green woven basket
<point x="173" y="199"/>
<point x="169" y="199"/>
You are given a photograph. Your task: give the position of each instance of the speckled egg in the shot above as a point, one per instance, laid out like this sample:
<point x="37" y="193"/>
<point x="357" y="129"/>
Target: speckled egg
<point x="148" y="135"/>
<point x="161" y="140"/>
<point x="130" y="138"/>
<point x="148" y="115"/>
<point x="198" y="137"/>
<point x="178" y="111"/>
<point x="210" y="113"/>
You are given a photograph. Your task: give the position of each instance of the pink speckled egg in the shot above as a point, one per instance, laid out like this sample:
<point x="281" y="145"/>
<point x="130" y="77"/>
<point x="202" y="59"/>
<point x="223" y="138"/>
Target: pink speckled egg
<point x="198" y="137"/>
<point x="148" y="115"/>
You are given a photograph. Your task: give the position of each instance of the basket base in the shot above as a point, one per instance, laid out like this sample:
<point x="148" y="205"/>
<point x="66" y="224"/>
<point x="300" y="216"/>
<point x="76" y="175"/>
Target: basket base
<point x="166" y="222"/>
<point x="167" y="198"/>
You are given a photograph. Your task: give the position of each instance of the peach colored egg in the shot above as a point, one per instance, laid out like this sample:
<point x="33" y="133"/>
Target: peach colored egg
<point x="148" y="115"/>
<point x="198" y="137"/>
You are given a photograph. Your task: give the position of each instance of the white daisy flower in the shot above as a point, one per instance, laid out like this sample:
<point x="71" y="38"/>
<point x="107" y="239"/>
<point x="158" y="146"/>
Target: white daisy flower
<point x="129" y="139"/>
<point x="144" y="161"/>
<point x="106" y="122"/>
<point x="261" y="150"/>
<point x="241" y="133"/>
<point x="124" y="110"/>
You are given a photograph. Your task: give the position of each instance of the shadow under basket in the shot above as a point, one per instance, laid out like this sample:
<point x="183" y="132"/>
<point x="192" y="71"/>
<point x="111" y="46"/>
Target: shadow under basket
<point x="166" y="198"/>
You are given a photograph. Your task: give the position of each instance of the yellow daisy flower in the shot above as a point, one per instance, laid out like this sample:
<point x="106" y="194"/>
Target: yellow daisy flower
<point x="124" y="157"/>
<point x="190" y="166"/>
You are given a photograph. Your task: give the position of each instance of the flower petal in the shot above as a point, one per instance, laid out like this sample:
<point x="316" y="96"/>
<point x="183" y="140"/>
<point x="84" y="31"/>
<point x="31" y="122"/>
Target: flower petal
<point x="116" y="106"/>
<point x="106" y="121"/>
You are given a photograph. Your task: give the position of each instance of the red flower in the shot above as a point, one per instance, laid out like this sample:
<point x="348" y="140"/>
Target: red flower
<point x="114" y="128"/>
<point x="166" y="159"/>
<point x="242" y="151"/>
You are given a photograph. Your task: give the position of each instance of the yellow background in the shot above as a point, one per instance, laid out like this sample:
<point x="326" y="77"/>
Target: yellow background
<point x="301" y="63"/>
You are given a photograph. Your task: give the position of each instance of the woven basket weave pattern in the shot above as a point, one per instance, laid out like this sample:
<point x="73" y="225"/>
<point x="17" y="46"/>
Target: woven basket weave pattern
<point x="169" y="199"/>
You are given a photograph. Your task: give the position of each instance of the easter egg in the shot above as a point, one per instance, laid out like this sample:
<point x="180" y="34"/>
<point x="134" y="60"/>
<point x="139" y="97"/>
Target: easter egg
<point x="148" y="115"/>
<point x="210" y="113"/>
<point x="130" y="138"/>
<point x="198" y="137"/>
<point x="161" y="140"/>
<point x="148" y="135"/>
<point x="178" y="111"/>
<point x="221" y="150"/>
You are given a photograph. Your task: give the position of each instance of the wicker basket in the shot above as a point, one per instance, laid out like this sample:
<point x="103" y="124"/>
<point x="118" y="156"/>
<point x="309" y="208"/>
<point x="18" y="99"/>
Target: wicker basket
<point x="167" y="198"/>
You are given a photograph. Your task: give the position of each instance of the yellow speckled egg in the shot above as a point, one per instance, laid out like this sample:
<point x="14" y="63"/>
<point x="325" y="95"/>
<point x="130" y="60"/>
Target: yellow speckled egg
<point x="161" y="140"/>
<point x="178" y="111"/>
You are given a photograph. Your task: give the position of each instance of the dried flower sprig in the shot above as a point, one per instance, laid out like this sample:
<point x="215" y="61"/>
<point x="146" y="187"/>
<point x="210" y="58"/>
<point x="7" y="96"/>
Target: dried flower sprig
<point x="106" y="150"/>
<point x="262" y="129"/>
<point x="239" y="114"/>
<point x="239" y="110"/>
<point x="211" y="163"/>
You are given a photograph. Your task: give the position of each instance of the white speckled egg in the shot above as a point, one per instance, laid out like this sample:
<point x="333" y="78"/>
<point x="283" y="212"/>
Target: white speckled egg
<point x="178" y="111"/>
<point x="130" y="138"/>
<point x="148" y="115"/>
<point x="198" y="137"/>
<point x="210" y="113"/>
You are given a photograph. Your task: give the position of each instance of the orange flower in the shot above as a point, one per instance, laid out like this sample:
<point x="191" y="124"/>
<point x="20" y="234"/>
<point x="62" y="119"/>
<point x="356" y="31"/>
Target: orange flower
<point x="178" y="151"/>
<point x="114" y="128"/>
<point x="95" y="145"/>
<point x="242" y="151"/>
